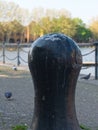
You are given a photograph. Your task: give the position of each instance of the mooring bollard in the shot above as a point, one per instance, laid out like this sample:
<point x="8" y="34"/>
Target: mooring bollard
<point x="55" y="61"/>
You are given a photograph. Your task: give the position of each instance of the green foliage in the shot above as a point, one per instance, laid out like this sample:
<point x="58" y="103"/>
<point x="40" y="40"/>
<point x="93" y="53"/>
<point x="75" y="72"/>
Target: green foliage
<point x="41" y="21"/>
<point x="82" y="34"/>
<point x="83" y="127"/>
<point x="19" y="127"/>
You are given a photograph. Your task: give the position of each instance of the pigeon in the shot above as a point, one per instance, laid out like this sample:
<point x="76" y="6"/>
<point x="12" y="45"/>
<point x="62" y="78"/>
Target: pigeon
<point x="86" y="77"/>
<point x="14" y="68"/>
<point x="8" y="95"/>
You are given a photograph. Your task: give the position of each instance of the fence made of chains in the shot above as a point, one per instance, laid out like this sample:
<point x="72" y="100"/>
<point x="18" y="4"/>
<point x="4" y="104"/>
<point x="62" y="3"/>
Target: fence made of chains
<point x="18" y="53"/>
<point x="14" y="53"/>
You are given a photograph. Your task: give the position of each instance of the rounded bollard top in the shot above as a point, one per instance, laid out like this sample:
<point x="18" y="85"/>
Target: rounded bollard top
<point x="61" y="46"/>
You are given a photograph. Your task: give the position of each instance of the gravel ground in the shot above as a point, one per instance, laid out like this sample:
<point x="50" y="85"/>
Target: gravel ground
<point x="19" y="109"/>
<point x="87" y="103"/>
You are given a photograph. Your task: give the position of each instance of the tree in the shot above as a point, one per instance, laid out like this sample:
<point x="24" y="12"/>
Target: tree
<point x="37" y="14"/>
<point x="8" y="11"/>
<point x="45" y="24"/>
<point x="7" y="28"/>
<point x="66" y="26"/>
<point x="94" y="28"/>
<point x="42" y="21"/>
<point x="17" y="28"/>
<point x="83" y="34"/>
<point x="35" y="29"/>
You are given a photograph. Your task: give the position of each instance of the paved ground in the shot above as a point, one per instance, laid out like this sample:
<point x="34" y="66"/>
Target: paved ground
<point x="19" y="110"/>
<point x="87" y="103"/>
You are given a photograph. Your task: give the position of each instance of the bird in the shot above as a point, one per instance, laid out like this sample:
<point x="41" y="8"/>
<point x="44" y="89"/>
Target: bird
<point x="8" y="95"/>
<point x="14" y="68"/>
<point x="86" y="77"/>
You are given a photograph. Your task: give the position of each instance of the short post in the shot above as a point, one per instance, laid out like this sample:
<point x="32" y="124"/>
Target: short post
<point x="96" y="59"/>
<point x="54" y="61"/>
<point x="3" y="52"/>
<point x="18" y="61"/>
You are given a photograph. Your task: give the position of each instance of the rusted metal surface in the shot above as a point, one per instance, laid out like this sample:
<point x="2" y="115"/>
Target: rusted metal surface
<point x="54" y="61"/>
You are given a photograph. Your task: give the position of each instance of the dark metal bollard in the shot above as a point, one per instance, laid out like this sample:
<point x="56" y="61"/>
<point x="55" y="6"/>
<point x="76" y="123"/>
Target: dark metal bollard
<point x="55" y="62"/>
<point x="96" y="59"/>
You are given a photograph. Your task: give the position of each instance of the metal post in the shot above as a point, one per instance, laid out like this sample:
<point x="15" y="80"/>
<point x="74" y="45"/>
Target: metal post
<point x="3" y="52"/>
<point x="55" y="62"/>
<point x="96" y="60"/>
<point x="18" y="61"/>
